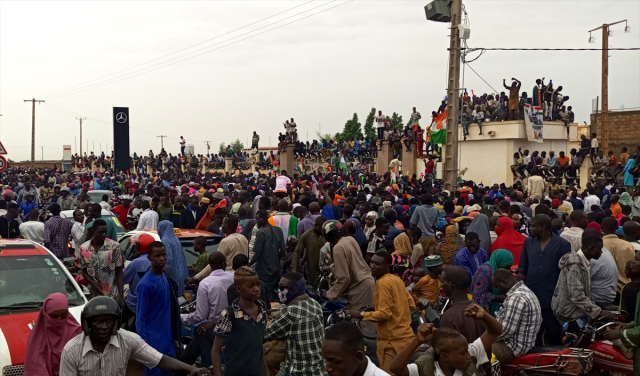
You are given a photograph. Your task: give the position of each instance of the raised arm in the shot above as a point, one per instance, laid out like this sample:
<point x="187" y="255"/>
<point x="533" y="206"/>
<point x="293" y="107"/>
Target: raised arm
<point x="494" y="328"/>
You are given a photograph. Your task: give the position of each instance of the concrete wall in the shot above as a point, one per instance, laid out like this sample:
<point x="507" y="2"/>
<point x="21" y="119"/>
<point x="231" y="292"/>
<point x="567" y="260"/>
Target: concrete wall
<point x="488" y="158"/>
<point x="37" y="164"/>
<point x="624" y="130"/>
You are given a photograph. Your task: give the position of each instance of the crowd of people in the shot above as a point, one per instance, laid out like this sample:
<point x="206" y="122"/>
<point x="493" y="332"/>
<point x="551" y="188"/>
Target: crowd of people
<point x="517" y="261"/>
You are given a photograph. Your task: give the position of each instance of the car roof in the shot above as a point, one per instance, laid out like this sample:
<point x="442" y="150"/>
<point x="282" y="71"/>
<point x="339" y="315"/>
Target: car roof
<point x="21" y="247"/>
<point x="184" y="233"/>
<point x="69" y="213"/>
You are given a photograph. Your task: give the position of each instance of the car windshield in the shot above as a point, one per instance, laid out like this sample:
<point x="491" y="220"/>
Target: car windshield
<point x="96" y="196"/>
<point x="187" y="246"/>
<point x="26" y="280"/>
<point x="119" y="228"/>
<point x="190" y="255"/>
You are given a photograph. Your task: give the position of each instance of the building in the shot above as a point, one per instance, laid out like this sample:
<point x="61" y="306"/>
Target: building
<point x="624" y="129"/>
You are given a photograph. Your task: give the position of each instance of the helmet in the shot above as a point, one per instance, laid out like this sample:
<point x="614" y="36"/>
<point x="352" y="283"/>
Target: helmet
<point x="331" y="229"/>
<point x="100" y="306"/>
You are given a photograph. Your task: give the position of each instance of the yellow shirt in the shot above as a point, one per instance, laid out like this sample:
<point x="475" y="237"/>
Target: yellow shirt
<point x="427" y="288"/>
<point x="393" y="306"/>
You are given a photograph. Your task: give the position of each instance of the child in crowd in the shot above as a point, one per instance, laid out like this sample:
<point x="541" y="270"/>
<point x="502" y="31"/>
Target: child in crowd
<point x="200" y="246"/>
<point x="240" y="329"/>
<point x="427" y="287"/>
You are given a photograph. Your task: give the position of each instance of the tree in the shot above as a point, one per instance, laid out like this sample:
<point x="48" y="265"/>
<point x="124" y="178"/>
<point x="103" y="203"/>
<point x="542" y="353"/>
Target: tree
<point x="222" y="146"/>
<point x="369" y="129"/>
<point x="237" y="146"/>
<point x="352" y="129"/>
<point x="395" y="122"/>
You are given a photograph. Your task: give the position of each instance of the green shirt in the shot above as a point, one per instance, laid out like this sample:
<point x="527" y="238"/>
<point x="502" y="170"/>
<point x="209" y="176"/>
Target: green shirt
<point x="163" y="213"/>
<point x="202" y="262"/>
<point x="112" y="232"/>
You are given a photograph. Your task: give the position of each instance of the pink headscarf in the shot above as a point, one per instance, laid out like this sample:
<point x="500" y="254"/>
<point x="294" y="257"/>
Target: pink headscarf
<point x="48" y="337"/>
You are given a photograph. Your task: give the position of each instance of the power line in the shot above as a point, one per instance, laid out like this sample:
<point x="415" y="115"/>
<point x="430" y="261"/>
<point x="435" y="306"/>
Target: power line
<point x="554" y="49"/>
<point x="175" y="52"/>
<point x="130" y="75"/>
<point x="467" y="64"/>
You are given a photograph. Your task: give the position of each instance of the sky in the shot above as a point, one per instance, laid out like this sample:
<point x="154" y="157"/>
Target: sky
<point x="318" y="70"/>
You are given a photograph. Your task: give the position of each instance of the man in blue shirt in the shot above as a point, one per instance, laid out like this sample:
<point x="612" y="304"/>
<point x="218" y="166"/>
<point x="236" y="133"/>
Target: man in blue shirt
<point x="539" y="269"/>
<point x="153" y="313"/>
<point x="495" y="192"/>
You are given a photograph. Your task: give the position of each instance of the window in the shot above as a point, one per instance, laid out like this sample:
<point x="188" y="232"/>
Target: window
<point x="30" y="279"/>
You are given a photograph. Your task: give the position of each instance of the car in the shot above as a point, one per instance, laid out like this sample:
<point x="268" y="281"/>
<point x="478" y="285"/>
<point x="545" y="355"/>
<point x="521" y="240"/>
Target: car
<point x="106" y="215"/>
<point x="95" y="196"/>
<point x="28" y="274"/>
<point x="185" y="236"/>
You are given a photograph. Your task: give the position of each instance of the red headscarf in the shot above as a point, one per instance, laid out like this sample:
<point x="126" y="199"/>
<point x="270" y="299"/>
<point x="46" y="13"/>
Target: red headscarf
<point x="508" y="239"/>
<point x="48" y="337"/>
<point x="596" y="226"/>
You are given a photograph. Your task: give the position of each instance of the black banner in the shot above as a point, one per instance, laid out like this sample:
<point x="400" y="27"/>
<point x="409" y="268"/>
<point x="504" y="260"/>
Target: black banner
<point x="121" y="138"/>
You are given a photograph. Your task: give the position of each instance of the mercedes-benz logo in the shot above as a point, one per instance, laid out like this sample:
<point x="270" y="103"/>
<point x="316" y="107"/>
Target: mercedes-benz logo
<point x="121" y="117"/>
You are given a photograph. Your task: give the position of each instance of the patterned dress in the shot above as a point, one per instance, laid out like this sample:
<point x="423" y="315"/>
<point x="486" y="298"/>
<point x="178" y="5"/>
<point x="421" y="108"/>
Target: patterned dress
<point x="101" y="264"/>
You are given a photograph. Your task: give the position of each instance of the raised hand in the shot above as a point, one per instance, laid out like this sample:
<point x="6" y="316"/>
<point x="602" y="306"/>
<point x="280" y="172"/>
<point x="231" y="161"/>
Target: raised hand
<point x="474" y="311"/>
<point x="425" y="331"/>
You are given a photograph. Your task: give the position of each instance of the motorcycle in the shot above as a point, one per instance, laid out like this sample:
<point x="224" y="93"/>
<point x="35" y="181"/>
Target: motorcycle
<point x="606" y="356"/>
<point x="556" y="360"/>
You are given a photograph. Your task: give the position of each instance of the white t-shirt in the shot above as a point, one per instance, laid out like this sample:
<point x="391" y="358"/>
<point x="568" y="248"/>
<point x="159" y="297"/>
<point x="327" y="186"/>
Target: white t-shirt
<point x="415" y="118"/>
<point x="182" y="141"/>
<point x="476" y="349"/>
<point x="372" y="370"/>
<point x="380" y="120"/>
<point x="281" y="183"/>
<point x="33" y="230"/>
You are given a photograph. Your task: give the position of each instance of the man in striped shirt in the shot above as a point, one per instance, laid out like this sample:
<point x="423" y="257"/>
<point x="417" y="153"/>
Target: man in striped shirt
<point x="520" y="317"/>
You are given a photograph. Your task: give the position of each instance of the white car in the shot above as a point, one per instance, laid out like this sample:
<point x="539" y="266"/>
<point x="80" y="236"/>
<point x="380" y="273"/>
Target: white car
<point x="28" y="274"/>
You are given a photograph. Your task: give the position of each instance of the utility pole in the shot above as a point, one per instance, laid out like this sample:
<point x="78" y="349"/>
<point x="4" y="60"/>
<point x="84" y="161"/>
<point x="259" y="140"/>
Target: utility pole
<point x="162" y="140"/>
<point x="604" y="119"/>
<point x="33" y="129"/>
<point x="451" y="150"/>
<point x="81" y="119"/>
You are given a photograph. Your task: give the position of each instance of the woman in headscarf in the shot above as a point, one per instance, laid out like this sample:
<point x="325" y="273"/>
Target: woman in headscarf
<point x="508" y="239"/>
<point x="480" y="225"/>
<point x="635" y="209"/>
<point x="595" y="226"/>
<point x="484" y="294"/>
<point x="206" y="219"/>
<point x="401" y="258"/>
<point x="53" y="328"/>
<point x="451" y="244"/>
<point x="628" y="176"/>
<point x="370" y="223"/>
<point x="175" y="254"/>
<point x="625" y="199"/>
